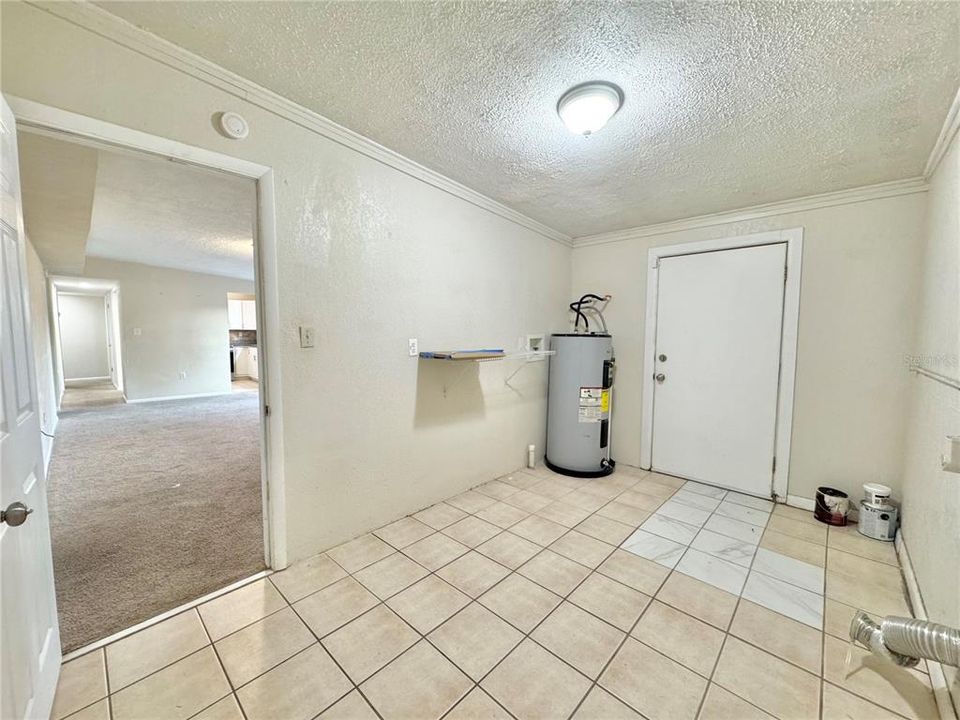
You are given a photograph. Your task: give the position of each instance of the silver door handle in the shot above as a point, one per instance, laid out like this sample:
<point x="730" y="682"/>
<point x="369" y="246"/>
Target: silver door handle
<point x="15" y="514"/>
<point x="659" y="377"/>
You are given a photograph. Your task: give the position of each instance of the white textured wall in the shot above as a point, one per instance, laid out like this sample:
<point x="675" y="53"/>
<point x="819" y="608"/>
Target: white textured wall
<point x="42" y="347"/>
<point x="182" y="318"/>
<point x="367" y="255"/>
<point x="83" y="336"/>
<point x="931" y="497"/>
<point x="858" y="298"/>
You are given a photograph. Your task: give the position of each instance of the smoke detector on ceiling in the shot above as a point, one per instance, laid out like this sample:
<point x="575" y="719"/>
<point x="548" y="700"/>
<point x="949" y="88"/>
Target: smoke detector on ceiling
<point x="586" y="108"/>
<point x="234" y="126"/>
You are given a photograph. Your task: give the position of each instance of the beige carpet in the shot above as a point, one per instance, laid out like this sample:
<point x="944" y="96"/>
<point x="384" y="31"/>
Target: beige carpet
<point x="152" y="505"/>
<point x="80" y="395"/>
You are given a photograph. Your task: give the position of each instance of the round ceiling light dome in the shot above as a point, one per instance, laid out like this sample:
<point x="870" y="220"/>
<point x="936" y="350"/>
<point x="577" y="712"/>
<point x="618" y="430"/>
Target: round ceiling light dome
<point x="586" y="108"/>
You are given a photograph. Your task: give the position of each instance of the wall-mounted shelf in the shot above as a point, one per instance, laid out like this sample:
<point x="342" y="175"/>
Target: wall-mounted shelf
<point x="484" y="355"/>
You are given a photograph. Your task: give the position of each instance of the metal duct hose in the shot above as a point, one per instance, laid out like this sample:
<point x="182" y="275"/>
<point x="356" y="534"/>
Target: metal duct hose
<point x="905" y="640"/>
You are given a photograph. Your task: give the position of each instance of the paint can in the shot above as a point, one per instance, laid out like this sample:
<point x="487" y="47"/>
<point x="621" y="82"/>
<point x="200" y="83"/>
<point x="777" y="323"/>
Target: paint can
<point x="879" y="523"/>
<point x="832" y="506"/>
<point x="878" y="516"/>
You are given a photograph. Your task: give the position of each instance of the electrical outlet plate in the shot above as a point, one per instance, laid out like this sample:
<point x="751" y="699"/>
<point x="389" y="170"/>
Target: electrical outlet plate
<point x="412" y="347"/>
<point x="536" y="343"/>
<point x="306" y="337"/>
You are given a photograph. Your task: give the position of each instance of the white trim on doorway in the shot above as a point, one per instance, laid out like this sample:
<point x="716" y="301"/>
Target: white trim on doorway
<point x="793" y="238"/>
<point x="82" y="129"/>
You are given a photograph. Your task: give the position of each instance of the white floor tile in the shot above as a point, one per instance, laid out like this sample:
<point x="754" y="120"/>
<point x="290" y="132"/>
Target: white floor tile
<point x="742" y="513"/>
<point x="801" y="605"/>
<point x="695" y="500"/>
<point x="725" y="548"/>
<point x="712" y="570"/>
<point x="796" y="572"/>
<point x="684" y="513"/>
<point x="734" y="528"/>
<point x="653" y="547"/>
<point x="708" y="490"/>
<point x="750" y="501"/>
<point x="669" y="528"/>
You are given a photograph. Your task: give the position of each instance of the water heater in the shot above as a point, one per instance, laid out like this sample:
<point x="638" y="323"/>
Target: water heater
<point x="578" y="404"/>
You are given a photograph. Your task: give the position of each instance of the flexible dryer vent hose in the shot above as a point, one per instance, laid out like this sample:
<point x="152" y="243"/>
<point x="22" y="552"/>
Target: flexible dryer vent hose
<point x="905" y="640"/>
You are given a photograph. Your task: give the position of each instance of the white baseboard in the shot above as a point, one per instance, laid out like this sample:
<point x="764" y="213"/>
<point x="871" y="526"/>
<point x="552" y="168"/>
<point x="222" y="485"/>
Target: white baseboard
<point x="938" y="680"/>
<point x="177" y="397"/>
<point x="801" y="502"/>
<point x="67" y="381"/>
<point x="163" y="616"/>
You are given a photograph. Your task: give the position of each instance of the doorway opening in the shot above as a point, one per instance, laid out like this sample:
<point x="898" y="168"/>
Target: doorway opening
<point x="156" y="479"/>
<point x="86" y="338"/>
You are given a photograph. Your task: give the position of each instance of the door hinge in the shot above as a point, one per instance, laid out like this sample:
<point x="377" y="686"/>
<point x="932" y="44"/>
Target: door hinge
<point x="266" y="409"/>
<point x="774" y="463"/>
<point x="785" y="273"/>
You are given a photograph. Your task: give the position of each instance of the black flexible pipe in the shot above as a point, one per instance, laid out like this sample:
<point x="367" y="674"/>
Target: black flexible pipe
<point x="578" y="303"/>
<point x="576" y="308"/>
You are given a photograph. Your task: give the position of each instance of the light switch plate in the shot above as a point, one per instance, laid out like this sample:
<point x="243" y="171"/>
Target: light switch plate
<point x="412" y="347"/>
<point x="306" y="337"/>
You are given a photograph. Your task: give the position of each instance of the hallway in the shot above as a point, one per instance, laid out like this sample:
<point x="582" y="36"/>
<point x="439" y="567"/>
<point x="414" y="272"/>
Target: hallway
<point x="88" y="394"/>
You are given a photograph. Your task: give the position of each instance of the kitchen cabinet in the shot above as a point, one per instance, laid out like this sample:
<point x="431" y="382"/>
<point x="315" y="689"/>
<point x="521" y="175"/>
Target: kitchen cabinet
<point x="235" y="314"/>
<point x="245" y="362"/>
<point x="248" y="313"/>
<point x="242" y="314"/>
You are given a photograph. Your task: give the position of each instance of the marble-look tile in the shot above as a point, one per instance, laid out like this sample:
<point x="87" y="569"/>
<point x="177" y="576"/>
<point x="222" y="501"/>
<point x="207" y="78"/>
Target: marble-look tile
<point x="725" y="548"/>
<point x="734" y="528"/>
<point x="796" y="572"/>
<point x="786" y="599"/>
<point x="750" y="501"/>
<point x="706" y="490"/>
<point x="669" y="528"/>
<point x="653" y="547"/>
<point x="713" y="571"/>
<point x="684" y="513"/>
<point x="742" y="513"/>
<point x="695" y="500"/>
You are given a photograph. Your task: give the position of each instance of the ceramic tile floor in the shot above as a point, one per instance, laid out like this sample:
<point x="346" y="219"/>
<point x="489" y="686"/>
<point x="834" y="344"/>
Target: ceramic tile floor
<point x="534" y="596"/>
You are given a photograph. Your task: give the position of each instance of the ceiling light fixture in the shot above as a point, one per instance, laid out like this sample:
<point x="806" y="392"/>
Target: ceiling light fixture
<point x="586" y="108"/>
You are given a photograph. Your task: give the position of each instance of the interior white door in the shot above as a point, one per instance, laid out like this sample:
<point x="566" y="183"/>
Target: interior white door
<point x="29" y="635"/>
<point x="719" y="323"/>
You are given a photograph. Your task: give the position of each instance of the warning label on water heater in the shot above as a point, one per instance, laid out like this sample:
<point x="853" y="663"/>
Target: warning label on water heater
<point x="591" y="405"/>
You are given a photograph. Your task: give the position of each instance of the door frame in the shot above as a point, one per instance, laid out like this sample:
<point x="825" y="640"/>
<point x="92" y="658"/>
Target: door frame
<point x="110" y="292"/>
<point x="37" y="116"/>
<point x="793" y="237"/>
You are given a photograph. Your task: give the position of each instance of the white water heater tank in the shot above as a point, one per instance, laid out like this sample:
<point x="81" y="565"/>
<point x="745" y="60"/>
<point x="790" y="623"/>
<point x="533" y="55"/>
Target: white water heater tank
<point x="578" y="404"/>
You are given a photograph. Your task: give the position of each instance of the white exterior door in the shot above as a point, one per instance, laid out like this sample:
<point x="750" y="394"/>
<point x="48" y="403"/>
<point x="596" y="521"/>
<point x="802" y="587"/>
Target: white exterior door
<point x="29" y="635"/>
<point x="719" y="326"/>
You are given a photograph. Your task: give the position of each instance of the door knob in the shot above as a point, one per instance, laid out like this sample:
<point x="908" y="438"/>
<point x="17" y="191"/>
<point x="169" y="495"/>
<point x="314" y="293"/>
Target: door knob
<point x="659" y="377"/>
<point x="15" y="514"/>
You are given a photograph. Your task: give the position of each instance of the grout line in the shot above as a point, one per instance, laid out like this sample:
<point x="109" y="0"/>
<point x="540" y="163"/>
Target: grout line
<point x="510" y="571"/>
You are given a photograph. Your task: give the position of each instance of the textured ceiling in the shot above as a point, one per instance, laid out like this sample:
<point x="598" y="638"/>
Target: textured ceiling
<point x="727" y="104"/>
<point x="147" y="209"/>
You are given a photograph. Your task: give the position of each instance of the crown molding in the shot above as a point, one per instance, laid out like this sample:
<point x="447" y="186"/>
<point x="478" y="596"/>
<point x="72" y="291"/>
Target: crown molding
<point x="100" y="22"/>
<point x="809" y="202"/>
<point x="951" y="124"/>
